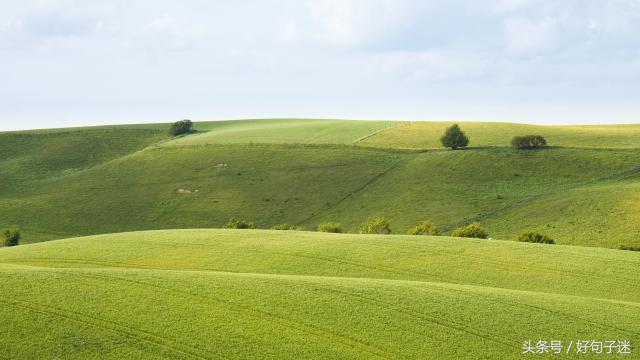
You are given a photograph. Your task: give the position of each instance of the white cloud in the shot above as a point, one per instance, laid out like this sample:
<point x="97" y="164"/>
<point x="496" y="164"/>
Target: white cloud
<point x="359" y="22"/>
<point x="430" y="66"/>
<point x="504" y="6"/>
<point x="283" y="54"/>
<point x="530" y="36"/>
<point x="291" y="32"/>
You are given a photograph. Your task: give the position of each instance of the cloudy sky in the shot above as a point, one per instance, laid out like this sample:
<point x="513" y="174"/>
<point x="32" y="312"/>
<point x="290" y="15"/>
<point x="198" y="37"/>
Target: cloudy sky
<point x="77" y="62"/>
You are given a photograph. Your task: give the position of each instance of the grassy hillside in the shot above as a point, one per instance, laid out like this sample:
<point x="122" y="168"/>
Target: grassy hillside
<point x="217" y="293"/>
<point x="426" y="135"/>
<point x="307" y="185"/>
<point x="30" y="156"/>
<point x="102" y="180"/>
<point x="304" y="131"/>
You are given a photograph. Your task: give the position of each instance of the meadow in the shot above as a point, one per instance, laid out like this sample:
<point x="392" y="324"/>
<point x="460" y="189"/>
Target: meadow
<point x="426" y="135"/>
<point x="122" y="255"/>
<point x="285" y="294"/>
<point x="582" y="190"/>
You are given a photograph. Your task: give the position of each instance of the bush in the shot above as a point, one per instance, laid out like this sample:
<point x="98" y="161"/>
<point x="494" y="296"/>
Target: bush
<point x="454" y="138"/>
<point x="181" y="127"/>
<point x="630" y="248"/>
<point x="534" y="237"/>
<point x="239" y="224"/>
<point x="426" y="227"/>
<point x="10" y="237"/>
<point x="474" y="230"/>
<point x="330" y="227"/>
<point x="285" y="227"/>
<point x="528" y="142"/>
<point x="377" y="225"/>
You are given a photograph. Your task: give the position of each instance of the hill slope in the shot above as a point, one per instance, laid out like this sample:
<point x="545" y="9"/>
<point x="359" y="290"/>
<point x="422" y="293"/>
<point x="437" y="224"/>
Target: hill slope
<point x="217" y="293"/>
<point x="101" y="180"/>
<point x="426" y="135"/>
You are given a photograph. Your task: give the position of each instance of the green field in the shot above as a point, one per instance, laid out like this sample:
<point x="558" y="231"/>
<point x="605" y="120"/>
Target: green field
<point x="269" y="294"/>
<point x="284" y="131"/>
<point x="426" y="135"/>
<point x="143" y="270"/>
<point x="101" y="180"/>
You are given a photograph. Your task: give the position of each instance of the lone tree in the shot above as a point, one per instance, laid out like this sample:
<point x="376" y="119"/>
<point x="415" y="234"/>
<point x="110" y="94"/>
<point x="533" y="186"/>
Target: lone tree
<point x="378" y="225"/>
<point x="181" y="127"/>
<point x="9" y="237"/>
<point x="454" y="138"/>
<point x="534" y="237"/>
<point x="425" y="227"/>
<point x="473" y="230"/>
<point x="528" y="142"/>
<point x="234" y="223"/>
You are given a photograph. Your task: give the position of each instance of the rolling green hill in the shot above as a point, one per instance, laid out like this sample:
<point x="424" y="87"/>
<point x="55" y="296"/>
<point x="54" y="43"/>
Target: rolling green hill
<point x="284" y="131"/>
<point x="88" y="181"/>
<point x="426" y="135"/>
<point x="269" y="294"/>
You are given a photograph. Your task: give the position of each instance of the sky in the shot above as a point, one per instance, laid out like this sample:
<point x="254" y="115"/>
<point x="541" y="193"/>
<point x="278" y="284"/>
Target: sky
<point x="86" y="62"/>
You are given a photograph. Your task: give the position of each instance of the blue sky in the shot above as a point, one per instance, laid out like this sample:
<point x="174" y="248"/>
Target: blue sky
<point x="65" y="62"/>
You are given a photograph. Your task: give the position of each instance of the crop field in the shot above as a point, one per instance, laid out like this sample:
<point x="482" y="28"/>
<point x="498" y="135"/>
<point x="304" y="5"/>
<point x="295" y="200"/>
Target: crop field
<point x="287" y="294"/>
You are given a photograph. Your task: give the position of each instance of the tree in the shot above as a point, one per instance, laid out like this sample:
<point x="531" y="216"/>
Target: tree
<point x="454" y="138"/>
<point x="534" y="237"/>
<point x="330" y="227"/>
<point x="239" y="224"/>
<point x="378" y="225"/>
<point x="426" y="227"/>
<point x="181" y="127"/>
<point x="473" y="230"/>
<point x="11" y="237"/>
<point x="285" y="226"/>
<point x="528" y="142"/>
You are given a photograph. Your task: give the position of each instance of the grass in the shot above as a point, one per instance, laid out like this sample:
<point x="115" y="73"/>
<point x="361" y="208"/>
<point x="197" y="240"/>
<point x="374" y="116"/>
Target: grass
<point x="91" y="181"/>
<point x="31" y="156"/>
<point x="307" y="131"/>
<point x="426" y="135"/>
<point x="273" y="294"/>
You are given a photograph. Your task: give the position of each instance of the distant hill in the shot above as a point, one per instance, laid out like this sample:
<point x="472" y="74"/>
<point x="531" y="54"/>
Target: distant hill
<point x="583" y="190"/>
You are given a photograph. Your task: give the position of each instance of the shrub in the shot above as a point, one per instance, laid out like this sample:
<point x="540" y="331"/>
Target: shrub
<point x="528" y="142"/>
<point x="330" y="227"/>
<point x="10" y="237"/>
<point x="534" y="237"/>
<point x="181" y="127"/>
<point x="473" y="230"/>
<point x="378" y="225"/>
<point x="454" y="138"/>
<point x="285" y="227"/>
<point x="239" y="224"/>
<point x="628" y="247"/>
<point x="426" y="227"/>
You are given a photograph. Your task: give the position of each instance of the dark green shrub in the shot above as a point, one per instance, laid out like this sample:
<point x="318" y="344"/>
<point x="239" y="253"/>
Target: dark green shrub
<point x="330" y="227"/>
<point x="628" y="247"/>
<point x="473" y="230"/>
<point x="528" y="142"/>
<point x="454" y="138"/>
<point x="534" y="237"/>
<point x="181" y="127"/>
<point x="10" y="237"/>
<point x="285" y="227"/>
<point x="378" y="225"/>
<point x="239" y="224"/>
<point x="426" y="227"/>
